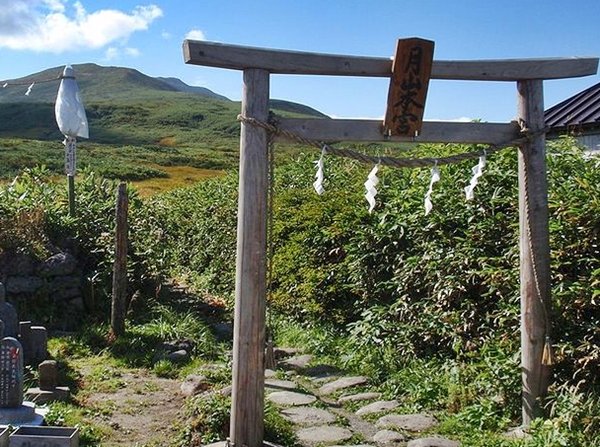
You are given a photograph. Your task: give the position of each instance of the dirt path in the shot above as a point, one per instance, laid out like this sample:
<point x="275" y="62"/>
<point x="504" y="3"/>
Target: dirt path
<point x="142" y="412"/>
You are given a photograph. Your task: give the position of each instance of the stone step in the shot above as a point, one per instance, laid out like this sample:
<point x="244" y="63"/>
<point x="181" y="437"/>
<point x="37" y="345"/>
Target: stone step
<point x="323" y="434"/>
<point x="410" y="422"/>
<point x="291" y="398"/>
<point x="342" y="383"/>
<point x="378" y="407"/>
<point x="308" y="416"/>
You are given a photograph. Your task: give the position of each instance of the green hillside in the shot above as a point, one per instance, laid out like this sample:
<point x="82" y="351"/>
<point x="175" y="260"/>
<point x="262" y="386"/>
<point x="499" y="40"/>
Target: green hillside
<point x="161" y="121"/>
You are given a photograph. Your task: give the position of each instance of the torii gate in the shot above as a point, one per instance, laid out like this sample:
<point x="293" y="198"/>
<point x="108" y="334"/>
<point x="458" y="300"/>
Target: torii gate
<point x="247" y="408"/>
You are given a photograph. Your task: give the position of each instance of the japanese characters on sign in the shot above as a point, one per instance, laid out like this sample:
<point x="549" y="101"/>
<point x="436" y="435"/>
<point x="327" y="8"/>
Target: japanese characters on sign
<point x="408" y="87"/>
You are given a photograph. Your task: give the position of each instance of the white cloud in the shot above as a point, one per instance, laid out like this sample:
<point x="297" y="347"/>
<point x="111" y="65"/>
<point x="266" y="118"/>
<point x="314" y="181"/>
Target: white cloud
<point x="166" y="35"/>
<point x="113" y="53"/>
<point x="195" y="34"/>
<point x="45" y="25"/>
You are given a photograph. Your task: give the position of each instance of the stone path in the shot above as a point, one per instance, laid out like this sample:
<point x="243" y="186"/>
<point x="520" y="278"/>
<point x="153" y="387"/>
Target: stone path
<point x="332" y="409"/>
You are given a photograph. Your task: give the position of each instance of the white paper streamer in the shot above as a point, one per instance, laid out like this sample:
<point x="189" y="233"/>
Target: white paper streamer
<point x="318" y="184"/>
<point x="29" y="89"/>
<point x="435" y="177"/>
<point x="70" y="114"/>
<point x="371" y="184"/>
<point x="477" y="171"/>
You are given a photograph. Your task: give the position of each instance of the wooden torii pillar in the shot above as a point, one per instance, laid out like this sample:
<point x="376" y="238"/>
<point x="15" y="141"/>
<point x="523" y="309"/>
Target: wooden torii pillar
<point x="247" y="408"/>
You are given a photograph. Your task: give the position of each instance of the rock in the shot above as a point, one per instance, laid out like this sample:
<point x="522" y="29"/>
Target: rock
<point x="359" y="397"/>
<point x="60" y="284"/>
<point x="322" y="371"/>
<point x="516" y="433"/>
<point x="342" y="383"/>
<point x="194" y="384"/>
<point x="377" y="407"/>
<point x="324" y="434"/>
<point x="60" y="264"/>
<point x="308" y="415"/>
<point x="280" y="384"/>
<point x="388" y="437"/>
<point x="226" y="391"/>
<point x="9" y="317"/>
<point x="223" y="331"/>
<point x="269" y="373"/>
<point x="298" y="363"/>
<point x="178" y="356"/>
<point x="282" y="353"/>
<point x="290" y="398"/>
<point x="17" y="264"/>
<point x="48" y="375"/>
<point x="23" y="284"/>
<point x="432" y="442"/>
<point x="410" y="422"/>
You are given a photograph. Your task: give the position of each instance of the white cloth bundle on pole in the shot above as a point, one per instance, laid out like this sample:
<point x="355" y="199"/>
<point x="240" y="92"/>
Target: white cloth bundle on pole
<point x="70" y="114"/>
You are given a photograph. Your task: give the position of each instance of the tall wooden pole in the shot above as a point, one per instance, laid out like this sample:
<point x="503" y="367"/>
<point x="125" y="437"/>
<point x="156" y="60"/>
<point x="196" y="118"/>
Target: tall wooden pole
<point x="71" y="190"/>
<point x="119" y="285"/>
<point x="534" y="249"/>
<point x="247" y="400"/>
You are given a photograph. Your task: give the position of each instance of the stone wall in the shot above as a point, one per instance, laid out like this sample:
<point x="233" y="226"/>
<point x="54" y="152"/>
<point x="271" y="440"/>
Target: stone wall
<point x="55" y="284"/>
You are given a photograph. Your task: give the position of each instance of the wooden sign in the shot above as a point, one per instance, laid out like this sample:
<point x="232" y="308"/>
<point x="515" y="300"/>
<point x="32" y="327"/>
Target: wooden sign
<point x="411" y="71"/>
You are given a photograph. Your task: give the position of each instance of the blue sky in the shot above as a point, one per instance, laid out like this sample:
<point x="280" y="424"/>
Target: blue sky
<point x="38" y="34"/>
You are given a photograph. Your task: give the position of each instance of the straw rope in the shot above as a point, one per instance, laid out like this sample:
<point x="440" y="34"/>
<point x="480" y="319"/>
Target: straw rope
<point x="394" y="162"/>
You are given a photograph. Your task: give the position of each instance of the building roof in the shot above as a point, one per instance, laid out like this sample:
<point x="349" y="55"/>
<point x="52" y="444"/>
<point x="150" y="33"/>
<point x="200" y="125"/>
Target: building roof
<point x="580" y="109"/>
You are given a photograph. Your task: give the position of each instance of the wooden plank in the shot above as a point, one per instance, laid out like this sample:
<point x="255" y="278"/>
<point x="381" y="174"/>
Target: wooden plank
<point x="239" y="57"/>
<point x="119" y="284"/>
<point x="534" y="250"/>
<point x="247" y="400"/>
<point x="408" y="87"/>
<point x="329" y="130"/>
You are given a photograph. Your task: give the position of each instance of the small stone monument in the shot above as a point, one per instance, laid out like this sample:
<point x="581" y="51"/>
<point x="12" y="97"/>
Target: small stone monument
<point x="39" y="344"/>
<point x="48" y="390"/>
<point x="8" y="315"/>
<point x="13" y="411"/>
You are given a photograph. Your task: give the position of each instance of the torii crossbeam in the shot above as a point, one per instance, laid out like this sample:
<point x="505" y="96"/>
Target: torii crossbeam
<point x="257" y="64"/>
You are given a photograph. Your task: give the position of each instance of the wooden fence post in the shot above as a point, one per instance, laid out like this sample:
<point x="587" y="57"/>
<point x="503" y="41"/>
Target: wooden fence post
<point x="534" y="249"/>
<point x="119" y="285"/>
<point x="247" y="399"/>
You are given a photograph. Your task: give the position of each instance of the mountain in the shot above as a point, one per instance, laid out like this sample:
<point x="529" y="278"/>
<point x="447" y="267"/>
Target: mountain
<point x="125" y="106"/>
<point x="181" y="86"/>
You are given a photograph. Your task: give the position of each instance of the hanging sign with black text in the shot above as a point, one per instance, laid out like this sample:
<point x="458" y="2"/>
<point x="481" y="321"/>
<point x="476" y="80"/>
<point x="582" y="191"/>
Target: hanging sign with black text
<point x="411" y="71"/>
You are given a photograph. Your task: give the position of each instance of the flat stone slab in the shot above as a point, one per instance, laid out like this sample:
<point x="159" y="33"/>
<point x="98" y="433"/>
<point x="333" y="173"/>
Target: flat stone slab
<point x="308" y="416"/>
<point x="433" y="442"/>
<point x="342" y="383"/>
<point x="377" y="407"/>
<point x="359" y="397"/>
<point x="269" y="373"/>
<point x="323" y="433"/>
<point x="298" y="363"/>
<point x="290" y="398"/>
<point x="388" y="437"/>
<point x="278" y="384"/>
<point x="411" y="422"/>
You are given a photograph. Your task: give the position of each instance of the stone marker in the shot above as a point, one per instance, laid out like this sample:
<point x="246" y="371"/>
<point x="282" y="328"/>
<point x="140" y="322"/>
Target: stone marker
<point x="323" y="433"/>
<point x="48" y="390"/>
<point x="291" y="399"/>
<point x="8" y="315"/>
<point x="308" y="416"/>
<point x="432" y="442"/>
<point x="39" y="344"/>
<point x="376" y="407"/>
<point x="48" y="375"/>
<point x="11" y="373"/>
<point x="410" y="422"/>
<point x="342" y="383"/>
<point x="25" y="340"/>
<point x="388" y="437"/>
